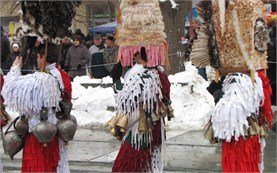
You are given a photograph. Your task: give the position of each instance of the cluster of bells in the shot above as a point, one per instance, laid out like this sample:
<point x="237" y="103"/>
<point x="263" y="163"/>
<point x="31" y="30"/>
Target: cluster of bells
<point x="45" y="131"/>
<point x="253" y="129"/>
<point x="119" y="123"/>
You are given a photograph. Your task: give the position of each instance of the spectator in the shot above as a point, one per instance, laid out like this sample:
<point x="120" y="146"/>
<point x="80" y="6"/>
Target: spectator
<point x="96" y="52"/>
<point x="15" y="51"/>
<point x="5" y="47"/>
<point x="110" y="52"/>
<point x="66" y="43"/>
<point x="79" y="32"/>
<point x="77" y="57"/>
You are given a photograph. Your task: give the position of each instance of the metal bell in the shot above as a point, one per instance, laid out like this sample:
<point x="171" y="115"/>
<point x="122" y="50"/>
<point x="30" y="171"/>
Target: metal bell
<point x="262" y="132"/>
<point x="21" y="127"/>
<point x="12" y="143"/>
<point x="142" y="122"/>
<point x="162" y="111"/>
<point x="73" y="118"/>
<point x="149" y="123"/>
<point x="209" y="134"/>
<point x="45" y="132"/>
<point x="44" y="113"/>
<point x="122" y="123"/>
<point x="66" y="130"/>
<point x="113" y="132"/>
<point x="252" y="131"/>
<point x="154" y="118"/>
<point x="112" y="122"/>
<point x="256" y="127"/>
<point x="170" y="111"/>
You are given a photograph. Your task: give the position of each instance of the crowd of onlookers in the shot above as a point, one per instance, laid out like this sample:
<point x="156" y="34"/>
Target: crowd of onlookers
<point x="93" y="55"/>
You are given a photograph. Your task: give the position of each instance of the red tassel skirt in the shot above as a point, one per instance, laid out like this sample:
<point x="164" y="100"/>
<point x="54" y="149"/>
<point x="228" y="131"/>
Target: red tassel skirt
<point x="243" y="155"/>
<point x="132" y="160"/>
<point x="37" y="158"/>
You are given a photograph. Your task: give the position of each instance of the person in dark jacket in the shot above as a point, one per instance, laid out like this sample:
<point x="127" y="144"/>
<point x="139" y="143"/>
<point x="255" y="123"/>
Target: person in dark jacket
<point x="66" y="44"/>
<point x="77" y="58"/>
<point x="5" y="47"/>
<point x="96" y="51"/>
<point x="15" y="52"/>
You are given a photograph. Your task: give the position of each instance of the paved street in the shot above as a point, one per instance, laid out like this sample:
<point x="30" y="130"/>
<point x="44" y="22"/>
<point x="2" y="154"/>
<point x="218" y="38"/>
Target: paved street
<point x="95" y="151"/>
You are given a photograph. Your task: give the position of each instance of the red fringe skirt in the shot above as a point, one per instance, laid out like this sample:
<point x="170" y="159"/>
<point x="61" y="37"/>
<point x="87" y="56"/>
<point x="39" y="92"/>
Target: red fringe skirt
<point x="37" y="158"/>
<point x="132" y="160"/>
<point x="243" y="155"/>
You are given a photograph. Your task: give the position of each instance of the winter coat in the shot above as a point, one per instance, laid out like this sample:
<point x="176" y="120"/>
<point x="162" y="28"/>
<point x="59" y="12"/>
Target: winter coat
<point x="97" y="59"/>
<point x="10" y="59"/>
<point x="64" y="51"/>
<point x="77" y="55"/>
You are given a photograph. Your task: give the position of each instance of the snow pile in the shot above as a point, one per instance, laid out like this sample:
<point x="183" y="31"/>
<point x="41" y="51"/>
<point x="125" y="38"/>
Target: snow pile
<point x="90" y="105"/>
<point x="190" y="100"/>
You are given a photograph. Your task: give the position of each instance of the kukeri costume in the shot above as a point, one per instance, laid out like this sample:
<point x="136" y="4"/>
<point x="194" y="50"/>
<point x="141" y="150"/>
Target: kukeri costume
<point x="30" y="95"/>
<point x="234" y="36"/>
<point x="140" y="110"/>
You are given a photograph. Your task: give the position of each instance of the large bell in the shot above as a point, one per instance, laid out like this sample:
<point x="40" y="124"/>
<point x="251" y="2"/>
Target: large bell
<point x="122" y="123"/>
<point x="73" y="118"/>
<point x="21" y="127"/>
<point x="12" y="143"/>
<point x="45" y="132"/>
<point x="66" y="130"/>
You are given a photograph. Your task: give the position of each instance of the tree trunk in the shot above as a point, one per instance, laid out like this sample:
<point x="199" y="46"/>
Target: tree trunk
<point x="174" y="27"/>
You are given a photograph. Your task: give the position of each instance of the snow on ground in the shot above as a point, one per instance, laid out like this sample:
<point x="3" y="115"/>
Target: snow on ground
<point x="191" y="102"/>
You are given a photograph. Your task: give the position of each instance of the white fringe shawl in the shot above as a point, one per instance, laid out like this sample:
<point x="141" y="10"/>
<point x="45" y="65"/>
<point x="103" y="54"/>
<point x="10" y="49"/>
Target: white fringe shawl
<point x="127" y="105"/>
<point x="241" y="99"/>
<point x="28" y="94"/>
